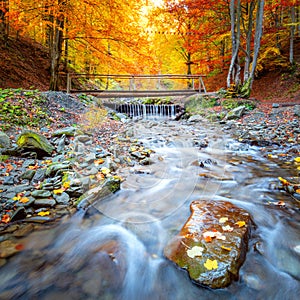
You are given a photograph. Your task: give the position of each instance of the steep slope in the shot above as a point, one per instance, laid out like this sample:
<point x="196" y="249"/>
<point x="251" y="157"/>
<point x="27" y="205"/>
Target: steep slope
<point x="23" y="64"/>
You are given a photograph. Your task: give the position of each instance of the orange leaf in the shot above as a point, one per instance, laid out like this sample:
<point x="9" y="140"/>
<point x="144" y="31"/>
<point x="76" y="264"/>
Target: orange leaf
<point x="208" y="239"/>
<point x="19" y="247"/>
<point x="24" y="200"/>
<point x="5" y="219"/>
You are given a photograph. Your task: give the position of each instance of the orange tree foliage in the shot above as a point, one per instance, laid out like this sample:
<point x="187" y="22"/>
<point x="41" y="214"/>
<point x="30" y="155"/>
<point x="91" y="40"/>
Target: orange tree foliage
<point x="89" y="35"/>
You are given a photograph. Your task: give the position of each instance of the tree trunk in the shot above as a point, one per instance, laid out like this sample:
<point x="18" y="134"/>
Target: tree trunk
<point x="56" y="42"/>
<point x="4" y="25"/>
<point x="235" y="16"/>
<point x="292" y="34"/>
<point x="248" y="41"/>
<point x="257" y="37"/>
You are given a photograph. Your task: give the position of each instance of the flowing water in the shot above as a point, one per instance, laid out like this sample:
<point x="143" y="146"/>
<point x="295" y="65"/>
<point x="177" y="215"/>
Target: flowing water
<point x="114" y="250"/>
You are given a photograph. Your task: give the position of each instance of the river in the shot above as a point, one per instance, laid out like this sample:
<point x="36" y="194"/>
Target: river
<point x="114" y="249"/>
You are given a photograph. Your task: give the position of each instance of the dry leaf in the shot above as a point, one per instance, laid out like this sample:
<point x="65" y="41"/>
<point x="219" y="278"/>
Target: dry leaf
<point x="24" y="200"/>
<point x="223" y="220"/>
<point x="227" y="228"/>
<point x="195" y="251"/>
<point x="5" y="219"/>
<point x="297" y="159"/>
<point x="58" y="191"/>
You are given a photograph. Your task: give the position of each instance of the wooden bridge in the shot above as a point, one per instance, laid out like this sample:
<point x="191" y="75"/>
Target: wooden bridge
<point x="116" y="86"/>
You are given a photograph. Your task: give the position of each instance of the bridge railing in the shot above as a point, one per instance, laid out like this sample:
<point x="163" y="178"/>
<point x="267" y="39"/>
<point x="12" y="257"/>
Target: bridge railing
<point x="119" y="82"/>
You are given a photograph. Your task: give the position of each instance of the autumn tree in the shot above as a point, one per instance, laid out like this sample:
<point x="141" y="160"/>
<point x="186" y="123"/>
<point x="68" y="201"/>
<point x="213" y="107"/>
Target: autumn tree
<point x="4" y="25"/>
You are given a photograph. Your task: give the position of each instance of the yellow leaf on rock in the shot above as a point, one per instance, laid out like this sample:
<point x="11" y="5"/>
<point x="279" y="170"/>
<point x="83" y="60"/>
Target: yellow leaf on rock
<point x="226" y="248"/>
<point x="195" y="251"/>
<point x="66" y="184"/>
<point x="24" y="200"/>
<point x="240" y="223"/>
<point x="44" y="213"/>
<point x="283" y="181"/>
<point x="297" y="159"/>
<point x="298" y="191"/>
<point x="211" y="264"/>
<point x="58" y="191"/>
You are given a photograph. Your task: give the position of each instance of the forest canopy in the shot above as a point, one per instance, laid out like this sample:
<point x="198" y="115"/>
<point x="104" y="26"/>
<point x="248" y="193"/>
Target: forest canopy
<point x="240" y="37"/>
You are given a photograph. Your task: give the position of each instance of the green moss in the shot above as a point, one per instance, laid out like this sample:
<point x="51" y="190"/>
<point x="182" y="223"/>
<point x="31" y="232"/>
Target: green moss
<point x="4" y="158"/>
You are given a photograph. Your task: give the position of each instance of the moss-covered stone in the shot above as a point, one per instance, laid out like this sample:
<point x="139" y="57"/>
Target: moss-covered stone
<point x="220" y="230"/>
<point x="109" y="186"/>
<point x="32" y="140"/>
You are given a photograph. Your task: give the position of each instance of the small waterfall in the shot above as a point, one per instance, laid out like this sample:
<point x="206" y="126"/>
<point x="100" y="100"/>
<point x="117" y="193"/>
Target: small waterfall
<point x="148" y="111"/>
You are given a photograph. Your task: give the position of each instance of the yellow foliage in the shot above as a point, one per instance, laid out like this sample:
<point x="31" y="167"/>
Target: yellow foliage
<point x="211" y="264"/>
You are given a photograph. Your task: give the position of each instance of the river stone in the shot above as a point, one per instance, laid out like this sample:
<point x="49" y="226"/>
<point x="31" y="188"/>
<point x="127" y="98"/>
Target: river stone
<point x="109" y="186"/>
<point x="28" y="174"/>
<point x="4" y="140"/>
<point x="40" y="194"/>
<point x="44" y="202"/>
<point x="19" y="214"/>
<point x="67" y="131"/>
<point x="235" y="113"/>
<point x="205" y="217"/>
<point x="64" y="198"/>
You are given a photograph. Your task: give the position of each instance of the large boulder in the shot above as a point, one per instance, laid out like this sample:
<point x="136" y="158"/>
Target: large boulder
<point x="212" y="244"/>
<point x="34" y="141"/>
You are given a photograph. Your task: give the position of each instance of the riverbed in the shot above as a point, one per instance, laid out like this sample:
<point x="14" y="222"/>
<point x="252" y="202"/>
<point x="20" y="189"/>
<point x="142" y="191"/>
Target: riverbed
<point x="114" y="249"/>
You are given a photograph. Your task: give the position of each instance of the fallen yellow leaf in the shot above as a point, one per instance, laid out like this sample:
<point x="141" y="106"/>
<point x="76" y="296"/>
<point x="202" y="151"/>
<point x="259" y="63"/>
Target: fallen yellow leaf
<point x="297" y="159"/>
<point x="44" y="213"/>
<point x="211" y="264"/>
<point x="283" y="181"/>
<point x="240" y="223"/>
<point x="66" y="184"/>
<point x="226" y="248"/>
<point x="58" y="191"/>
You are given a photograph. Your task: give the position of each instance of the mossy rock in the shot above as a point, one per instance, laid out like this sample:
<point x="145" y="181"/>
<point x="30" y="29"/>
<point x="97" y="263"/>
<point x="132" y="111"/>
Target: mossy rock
<point x="32" y="140"/>
<point x="109" y="186"/>
<point x="212" y="244"/>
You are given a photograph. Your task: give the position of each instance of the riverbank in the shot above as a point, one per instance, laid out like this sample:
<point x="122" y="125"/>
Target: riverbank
<point x="92" y="148"/>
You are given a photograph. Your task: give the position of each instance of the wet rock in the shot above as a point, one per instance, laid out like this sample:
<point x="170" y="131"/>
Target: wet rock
<point x="40" y="194"/>
<point x="39" y="175"/>
<point x="275" y="105"/>
<point x="67" y="131"/>
<point x="8" y="248"/>
<point x="9" y="180"/>
<point x="235" y="113"/>
<point x="44" y="202"/>
<point x="24" y="231"/>
<point x="19" y="214"/>
<point x="110" y="185"/>
<point x="64" y="198"/>
<point x="28" y="174"/>
<point x="195" y="118"/>
<point x="212" y="244"/>
<point x="57" y="168"/>
<point x="146" y="161"/>
<point x="61" y="143"/>
<point x="4" y="140"/>
<point x="32" y="140"/>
